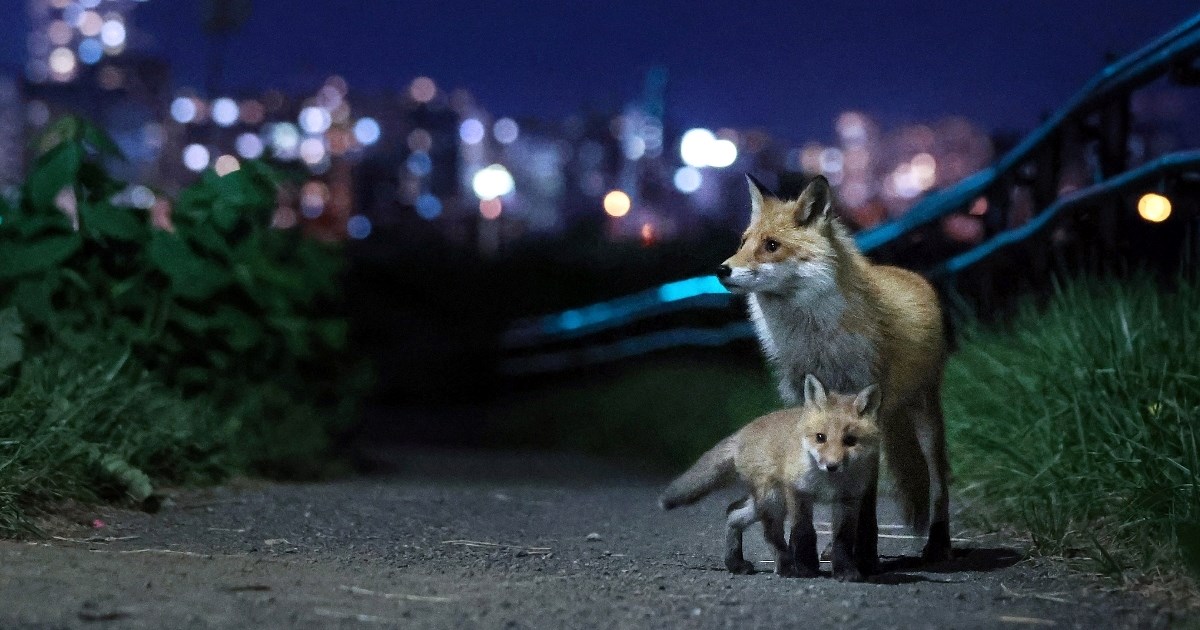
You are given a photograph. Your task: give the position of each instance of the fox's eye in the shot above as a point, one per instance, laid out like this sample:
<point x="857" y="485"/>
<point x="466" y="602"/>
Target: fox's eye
<point x="743" y="243"/>
<point x="820" y="438"/>
<point x="849" y="440"/>
<point x="771" y="244"/>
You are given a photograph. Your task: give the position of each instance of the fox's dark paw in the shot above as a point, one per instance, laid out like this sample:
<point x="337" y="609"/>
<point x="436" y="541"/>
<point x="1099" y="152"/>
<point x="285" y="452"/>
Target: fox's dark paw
<point x="847" y="574"/>
<point x="739" y="566"/>
<point x="806" y="572"/>
<point x="868" y="567"/>
<point x="787" y="570"/>
<point x="934" y="553"/>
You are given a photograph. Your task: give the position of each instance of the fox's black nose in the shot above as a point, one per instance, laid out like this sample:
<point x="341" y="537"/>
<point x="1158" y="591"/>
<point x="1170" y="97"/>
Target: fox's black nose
<point x="724" y="271"/>
<point x="831" y="467"/>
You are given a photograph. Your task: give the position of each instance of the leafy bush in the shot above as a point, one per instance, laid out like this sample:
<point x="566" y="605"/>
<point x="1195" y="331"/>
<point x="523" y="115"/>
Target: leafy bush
<point x="216" y="305"/>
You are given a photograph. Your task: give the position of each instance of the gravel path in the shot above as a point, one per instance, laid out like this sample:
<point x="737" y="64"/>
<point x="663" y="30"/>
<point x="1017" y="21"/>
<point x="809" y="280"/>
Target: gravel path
<point x="461" y="540"/>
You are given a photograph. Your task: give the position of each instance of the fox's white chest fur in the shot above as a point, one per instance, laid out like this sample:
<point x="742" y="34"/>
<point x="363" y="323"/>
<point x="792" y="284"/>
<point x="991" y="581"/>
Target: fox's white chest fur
<point x="802" y="334"/>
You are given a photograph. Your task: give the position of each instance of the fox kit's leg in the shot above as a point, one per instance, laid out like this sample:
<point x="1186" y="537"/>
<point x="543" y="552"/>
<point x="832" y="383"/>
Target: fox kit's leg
<point x="739" y="516"/>
<point x="866" y="540"/>
<point x="772" y="511"/>
<point x="931" y="435"/>
<point x="803" y="541"/>
<point x="845" y="526"/>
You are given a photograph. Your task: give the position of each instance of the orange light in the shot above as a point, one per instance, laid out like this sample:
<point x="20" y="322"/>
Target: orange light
<point x="647" y="234"/>
<point x="1154" y="208"/>
<point x="617" y="203"/>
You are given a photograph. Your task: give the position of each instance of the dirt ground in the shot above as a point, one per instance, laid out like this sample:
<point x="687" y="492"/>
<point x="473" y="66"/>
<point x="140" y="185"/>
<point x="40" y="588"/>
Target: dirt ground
<point x="452" y="539"/>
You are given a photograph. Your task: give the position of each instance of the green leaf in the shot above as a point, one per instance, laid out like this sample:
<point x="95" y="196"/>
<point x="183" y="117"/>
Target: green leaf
<point x="53" y="171"/>
<point x="32" y="296"/>
<point x="105" y="219"/>
<point x="191" y="276"/>
<point x="244" y="331"/>
<point x="18" y="259"/>
<point x="100" y="141"/>
<point x="11" y="331"/>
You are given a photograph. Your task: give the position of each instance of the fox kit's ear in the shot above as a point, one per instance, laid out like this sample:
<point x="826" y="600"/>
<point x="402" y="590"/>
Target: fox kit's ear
<point x="816" y="201"/>
<point x="867" y="401"/>
<point x="757" y="193"/>
<point x="814" y="392"/>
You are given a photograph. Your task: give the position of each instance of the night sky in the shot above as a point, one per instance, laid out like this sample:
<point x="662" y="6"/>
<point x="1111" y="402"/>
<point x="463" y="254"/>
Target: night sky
<point x="787" y="66"/>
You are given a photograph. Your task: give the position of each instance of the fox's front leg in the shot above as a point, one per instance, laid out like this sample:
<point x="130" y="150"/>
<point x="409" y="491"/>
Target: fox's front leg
<point x="738" y="516"/>
<point x="845" y="526"/>
<point x="803" y="541"/>
<point x="772" y="511"/>
<point x="866" y="540"/>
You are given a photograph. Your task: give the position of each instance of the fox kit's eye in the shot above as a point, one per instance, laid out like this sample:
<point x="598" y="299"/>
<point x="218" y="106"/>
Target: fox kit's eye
<point x="849" y="440"/>
<point x="771" y="245"/>
<point x="820" y="438"/>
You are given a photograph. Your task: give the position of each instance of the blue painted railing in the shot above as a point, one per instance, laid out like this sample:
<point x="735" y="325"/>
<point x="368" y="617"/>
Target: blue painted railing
<point x="1181" y="43"/>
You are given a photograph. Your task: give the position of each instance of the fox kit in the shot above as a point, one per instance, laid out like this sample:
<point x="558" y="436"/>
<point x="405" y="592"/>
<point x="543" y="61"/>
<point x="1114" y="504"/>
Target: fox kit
<point x="828" y="449"/>
<point x="820" y="307"/>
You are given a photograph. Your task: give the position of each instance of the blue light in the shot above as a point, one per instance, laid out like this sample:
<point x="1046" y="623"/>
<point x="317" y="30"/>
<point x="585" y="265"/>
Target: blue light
<point x="683" y="289"/>
<point x="429" y="207"/>
<point x="90" y="51"/>
<point x="358" y="227"/>
<point x="419" y="163"/>
<point x="570" y="320"/>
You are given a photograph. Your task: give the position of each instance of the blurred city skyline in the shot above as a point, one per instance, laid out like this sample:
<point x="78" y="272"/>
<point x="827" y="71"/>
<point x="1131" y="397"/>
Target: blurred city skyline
<point x="788" y="68"/>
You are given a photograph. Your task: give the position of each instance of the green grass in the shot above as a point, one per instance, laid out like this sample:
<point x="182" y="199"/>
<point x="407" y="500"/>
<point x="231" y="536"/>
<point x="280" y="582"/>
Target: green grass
<point x="1077" y="423"/>
<point x="89" y="425"/>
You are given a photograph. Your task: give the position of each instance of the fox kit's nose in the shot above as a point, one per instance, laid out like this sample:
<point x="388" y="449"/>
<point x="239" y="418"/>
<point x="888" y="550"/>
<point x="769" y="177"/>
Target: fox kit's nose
<point x="724" y="271"/>
<point x="831" y="467"/>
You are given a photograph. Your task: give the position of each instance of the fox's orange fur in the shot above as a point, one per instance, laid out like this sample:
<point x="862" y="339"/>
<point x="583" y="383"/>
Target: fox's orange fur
<point x="826" y="449"/>
<point x="819" y="306"/>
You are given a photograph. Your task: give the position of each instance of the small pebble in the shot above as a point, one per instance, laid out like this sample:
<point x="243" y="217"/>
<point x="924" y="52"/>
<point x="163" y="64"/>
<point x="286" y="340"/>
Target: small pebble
<point x="594" y="537"/>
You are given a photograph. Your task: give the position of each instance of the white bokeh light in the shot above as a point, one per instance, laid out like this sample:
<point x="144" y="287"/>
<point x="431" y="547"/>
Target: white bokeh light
<point x="314" y="120"/>
<point x="694" y="147"/>
<point x="506" y="131"/>
<point x="183" y="110"/>
<point x="688" y="179"/>
<point x="224" y="111"/>
<point x="195" y="157"/>
<point x="491" y="182"/>
<point x="249" y="146"/>
<point x="471" y="131"/>
<point x="367" y="131"/>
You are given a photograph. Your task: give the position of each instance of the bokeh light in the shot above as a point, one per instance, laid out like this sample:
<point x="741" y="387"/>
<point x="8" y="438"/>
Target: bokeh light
<point x="428" y="206"/>
<point x="249" y="146"/>
<point x="312" y="151"/>
<point x="617" y="203"/>
<point x="1154" y="207"/>
<point x="471" y="131"/>
<point x="688" y="179"/>
<point x="113" y="34"/>
<point x="314" y="120"/>
<point x="422" y="89"/>
<point x="506" y="131"/>
<point x="195" y="157"/>
<point x="224" y="112"/>
<point x="358" y="227"/>
<point x="491" y="182"/>
<point x="183" y="110"/>
<point x="90" y="51"/>
<point x="694" y="145"/>
<point x="419" y="163"/>
<point x="490" y="209"/>
<point x="226" y="164"/>
<point x="62" y="61"/>
<point x="722" y="153"/>
<point x="367" y="131"/>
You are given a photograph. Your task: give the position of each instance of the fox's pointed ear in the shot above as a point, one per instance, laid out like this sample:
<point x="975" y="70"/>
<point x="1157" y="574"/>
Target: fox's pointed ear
<point x="867" y="401"/>
<point x="816" y="201"/>
<point x="757" y="193"/>
<point x="814" y="392"/>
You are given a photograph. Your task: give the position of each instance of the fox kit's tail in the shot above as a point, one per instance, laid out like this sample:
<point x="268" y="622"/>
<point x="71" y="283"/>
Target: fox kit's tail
<point x="714" y="470"/>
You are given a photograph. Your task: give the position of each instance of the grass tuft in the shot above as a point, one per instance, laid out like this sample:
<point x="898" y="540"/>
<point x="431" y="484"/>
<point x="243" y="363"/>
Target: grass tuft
<point x="1078" y="423"/>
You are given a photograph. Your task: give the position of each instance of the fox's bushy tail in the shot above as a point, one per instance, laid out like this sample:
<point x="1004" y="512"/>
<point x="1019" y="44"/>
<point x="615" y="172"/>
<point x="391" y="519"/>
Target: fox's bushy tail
<point x="713" y="470"/>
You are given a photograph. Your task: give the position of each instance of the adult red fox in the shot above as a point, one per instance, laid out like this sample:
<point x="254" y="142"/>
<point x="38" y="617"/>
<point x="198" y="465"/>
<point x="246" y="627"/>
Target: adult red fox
<point x="820" y="307"/>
